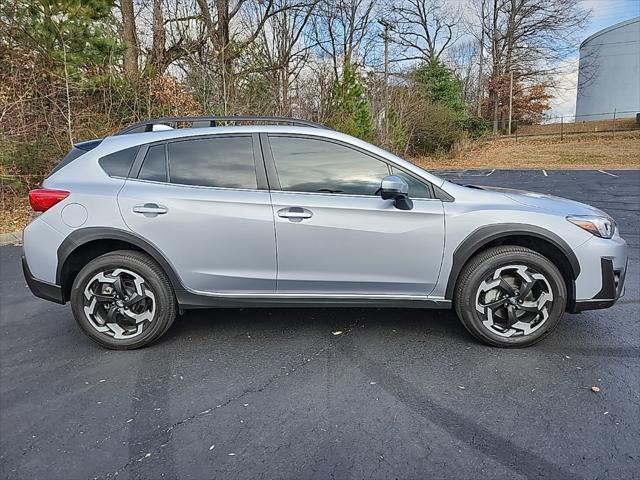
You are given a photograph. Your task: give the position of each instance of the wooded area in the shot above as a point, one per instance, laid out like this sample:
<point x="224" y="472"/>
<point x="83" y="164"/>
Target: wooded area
<point x="414" y="76"/>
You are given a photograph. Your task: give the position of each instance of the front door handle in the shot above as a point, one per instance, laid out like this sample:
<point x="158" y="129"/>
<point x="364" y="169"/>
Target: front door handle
<point x="150" y="209"/>
<point x="295" y="214"/>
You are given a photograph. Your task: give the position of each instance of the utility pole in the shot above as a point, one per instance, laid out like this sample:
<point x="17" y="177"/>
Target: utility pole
<point x="510" y="98"/>
<point x="385" y="37"/>
<point x="479" y="112"/>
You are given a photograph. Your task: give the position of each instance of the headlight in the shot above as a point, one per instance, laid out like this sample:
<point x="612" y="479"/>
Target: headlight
<point x="602" y="227"/>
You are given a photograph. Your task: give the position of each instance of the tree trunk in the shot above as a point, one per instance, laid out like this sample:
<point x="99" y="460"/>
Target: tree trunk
<point x="225" y="57"/>
<point x="496" y="66"/>
<point x="130" y="39"/>
<point x="157" y="60"/>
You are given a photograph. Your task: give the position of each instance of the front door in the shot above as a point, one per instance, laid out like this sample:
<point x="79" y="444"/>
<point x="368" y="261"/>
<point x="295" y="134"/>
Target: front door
<point x="336" y="236"/>
<point x="198" y="202"/>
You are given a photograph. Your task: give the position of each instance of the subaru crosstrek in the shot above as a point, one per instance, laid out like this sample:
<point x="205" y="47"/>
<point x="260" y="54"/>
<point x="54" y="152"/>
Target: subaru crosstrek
<point x="141" y="225"/>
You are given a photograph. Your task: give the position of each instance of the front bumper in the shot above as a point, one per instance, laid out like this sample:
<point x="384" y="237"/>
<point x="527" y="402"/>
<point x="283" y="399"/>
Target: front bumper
<point x="612" y="288"/>
<point x="39" y="288"/>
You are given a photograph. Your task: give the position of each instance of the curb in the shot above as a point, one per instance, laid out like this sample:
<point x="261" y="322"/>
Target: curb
<point x="11" y="238"/>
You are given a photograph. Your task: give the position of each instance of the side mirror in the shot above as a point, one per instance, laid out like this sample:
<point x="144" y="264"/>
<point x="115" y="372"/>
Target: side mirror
<point x="396" y="189"/>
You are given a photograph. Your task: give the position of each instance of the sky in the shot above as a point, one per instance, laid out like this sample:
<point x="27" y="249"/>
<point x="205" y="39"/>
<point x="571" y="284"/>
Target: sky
<point x="604" y="14"/>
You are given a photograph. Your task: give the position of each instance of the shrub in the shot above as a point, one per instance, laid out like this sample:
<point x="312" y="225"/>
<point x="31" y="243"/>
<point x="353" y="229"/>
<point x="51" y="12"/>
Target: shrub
<point x="437" y="129"/>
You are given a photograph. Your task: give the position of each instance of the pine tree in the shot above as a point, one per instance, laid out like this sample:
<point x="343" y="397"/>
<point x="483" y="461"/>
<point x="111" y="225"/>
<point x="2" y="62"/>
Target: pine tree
<point x="441" y="86"/>
<point x="348" y="105"/>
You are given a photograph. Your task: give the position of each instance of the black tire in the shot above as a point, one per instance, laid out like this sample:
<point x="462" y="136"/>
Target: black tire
<point x="481" y="272"/>
<point x="159" y="305"/>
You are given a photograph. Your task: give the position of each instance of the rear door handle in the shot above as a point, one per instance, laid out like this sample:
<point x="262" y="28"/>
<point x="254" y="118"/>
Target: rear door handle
<point x="295" y="214"/>
<point x="150" y="209"/>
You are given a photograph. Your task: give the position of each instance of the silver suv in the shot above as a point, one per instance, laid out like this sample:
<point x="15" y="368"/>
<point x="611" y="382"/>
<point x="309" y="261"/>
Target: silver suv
<point x="154" y="220"/>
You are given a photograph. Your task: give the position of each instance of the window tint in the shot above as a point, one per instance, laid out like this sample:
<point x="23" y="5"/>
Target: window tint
<point x="309" y="165"/>
<point x="213" y="162"/>
<point x="154" y="166"/>
<point x="119" y="163"/>
<point x="417" y="188"/>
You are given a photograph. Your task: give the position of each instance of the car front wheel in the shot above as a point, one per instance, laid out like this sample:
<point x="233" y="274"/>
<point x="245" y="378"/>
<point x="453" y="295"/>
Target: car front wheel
<point x="510" y="296"/>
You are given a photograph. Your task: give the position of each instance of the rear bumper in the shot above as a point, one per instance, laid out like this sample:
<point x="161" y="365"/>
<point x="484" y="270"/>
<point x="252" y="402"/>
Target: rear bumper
<point x="612" y="288"/>
<point x="39" y="288"/>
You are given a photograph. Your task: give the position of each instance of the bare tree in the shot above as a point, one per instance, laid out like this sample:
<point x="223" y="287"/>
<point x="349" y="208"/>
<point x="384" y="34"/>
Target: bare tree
<point x="282" y="51"/>
<point x="343" y="30"/>
<point x="530" y="38"/>
<point x="424" y="29"/>
<point x="228" y="45"/>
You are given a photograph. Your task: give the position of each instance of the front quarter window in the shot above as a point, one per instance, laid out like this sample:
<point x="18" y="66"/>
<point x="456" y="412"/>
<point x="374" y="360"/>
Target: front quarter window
<point x="417" y="188"/>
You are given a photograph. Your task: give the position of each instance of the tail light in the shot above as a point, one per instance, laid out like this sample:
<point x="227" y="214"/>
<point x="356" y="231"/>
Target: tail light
<point x="42" y="199"/>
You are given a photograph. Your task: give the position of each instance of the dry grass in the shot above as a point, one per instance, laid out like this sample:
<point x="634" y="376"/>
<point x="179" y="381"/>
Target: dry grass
<point x="593" y="126"/>
<point x="15" y="213"/>
<point x="591" y="151"/>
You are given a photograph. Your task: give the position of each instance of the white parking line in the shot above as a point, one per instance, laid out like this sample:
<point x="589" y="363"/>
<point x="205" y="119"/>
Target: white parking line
<point x="491" y="172"/>
<point x="544" y="172"/>
<point x="607" y="173"/>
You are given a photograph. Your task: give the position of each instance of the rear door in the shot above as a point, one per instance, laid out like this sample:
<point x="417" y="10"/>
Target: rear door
<point x="336" y="236"/>
<point x="204" y="204"/>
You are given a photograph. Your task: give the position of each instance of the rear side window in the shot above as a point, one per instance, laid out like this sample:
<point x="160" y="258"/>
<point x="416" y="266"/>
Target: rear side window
<point x="154" y="167"/>
<point x="213" y="162"/>
<point x="119" y="163"/>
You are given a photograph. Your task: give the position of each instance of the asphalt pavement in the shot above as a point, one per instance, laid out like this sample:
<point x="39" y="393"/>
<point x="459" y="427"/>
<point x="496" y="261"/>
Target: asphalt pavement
<point x="274" y="393"/>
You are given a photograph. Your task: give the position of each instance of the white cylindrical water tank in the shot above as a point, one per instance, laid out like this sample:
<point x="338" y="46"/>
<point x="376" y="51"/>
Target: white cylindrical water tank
<point x="609" y="74"/>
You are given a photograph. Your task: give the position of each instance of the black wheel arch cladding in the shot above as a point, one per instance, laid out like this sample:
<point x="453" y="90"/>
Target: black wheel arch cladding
<point x="83" y="236"/>
<point x="481" y="237"/>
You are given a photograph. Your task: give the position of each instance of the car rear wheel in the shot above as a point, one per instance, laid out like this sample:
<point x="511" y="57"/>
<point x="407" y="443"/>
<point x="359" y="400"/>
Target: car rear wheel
<point x="510" y="296"/>
<point x="123" y="300"/>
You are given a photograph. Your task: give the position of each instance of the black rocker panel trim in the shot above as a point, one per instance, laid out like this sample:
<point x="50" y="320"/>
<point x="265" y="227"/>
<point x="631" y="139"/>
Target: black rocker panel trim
<point x="484" y="235"/>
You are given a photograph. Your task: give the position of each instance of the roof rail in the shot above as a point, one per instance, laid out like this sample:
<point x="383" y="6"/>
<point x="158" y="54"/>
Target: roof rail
<point x="214" y="121"/>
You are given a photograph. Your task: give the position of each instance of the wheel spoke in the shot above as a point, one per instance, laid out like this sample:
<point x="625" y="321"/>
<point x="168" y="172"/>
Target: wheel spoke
<point x="493" y="305"/>
<point x="507" y="287"/>
<point x="135" y="298"/>
<point x="119" y="288"/>
<point x="103" y="298"/>
<point x="512" y="317"/>
<point x="529" y="308"/>
<point x="526" y="288"/>
<point x="111" y="314"/>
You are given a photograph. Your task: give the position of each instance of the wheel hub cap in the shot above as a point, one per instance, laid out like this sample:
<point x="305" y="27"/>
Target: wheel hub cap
<point x="118" y="303"/>
<point x="514" y="301"/>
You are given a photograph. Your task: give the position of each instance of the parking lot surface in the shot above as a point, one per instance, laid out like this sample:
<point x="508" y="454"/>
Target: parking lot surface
<point x="274" y="393"/>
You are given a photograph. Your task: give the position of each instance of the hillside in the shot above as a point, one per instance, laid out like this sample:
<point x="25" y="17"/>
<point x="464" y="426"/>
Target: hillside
<point x="588" y="151"/>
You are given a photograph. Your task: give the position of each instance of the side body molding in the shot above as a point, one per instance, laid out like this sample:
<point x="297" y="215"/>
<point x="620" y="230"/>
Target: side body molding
<point x="484" y="235"/>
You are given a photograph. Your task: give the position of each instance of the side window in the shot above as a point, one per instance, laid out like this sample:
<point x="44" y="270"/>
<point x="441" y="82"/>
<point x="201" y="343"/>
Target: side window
<point x="310" y="165"/>
<point x="417" y="188"/>
<point x="154" y="166"/>
<point x="213" y="162"/>
<point x="118" y="164"/>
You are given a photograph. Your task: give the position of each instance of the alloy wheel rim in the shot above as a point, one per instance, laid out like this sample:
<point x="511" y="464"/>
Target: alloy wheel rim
<point x="119" y="303"/>
<point x="514" y="300"/>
